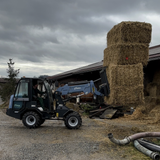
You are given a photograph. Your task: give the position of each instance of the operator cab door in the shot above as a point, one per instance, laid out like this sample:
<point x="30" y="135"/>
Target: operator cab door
<point x="21" y="96"/>
<point x="46" y="97"/>
<point x="49" y="96"/>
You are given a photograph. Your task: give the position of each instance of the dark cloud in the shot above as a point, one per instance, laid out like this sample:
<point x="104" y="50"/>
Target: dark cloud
<point x="38" y="31"/>
<point x="73" y="16"/>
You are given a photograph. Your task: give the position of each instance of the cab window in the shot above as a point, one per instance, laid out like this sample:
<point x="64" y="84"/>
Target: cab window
<point x="22" y="90"/>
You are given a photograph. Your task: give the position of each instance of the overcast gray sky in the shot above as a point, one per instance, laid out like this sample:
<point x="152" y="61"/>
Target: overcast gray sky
<point x="46" y="37"/>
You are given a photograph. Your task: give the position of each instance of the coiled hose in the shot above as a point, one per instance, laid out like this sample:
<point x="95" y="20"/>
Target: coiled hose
<point x="149" y="145"/>
<point x="133" y="137"/>
<point x="146" y="151"/>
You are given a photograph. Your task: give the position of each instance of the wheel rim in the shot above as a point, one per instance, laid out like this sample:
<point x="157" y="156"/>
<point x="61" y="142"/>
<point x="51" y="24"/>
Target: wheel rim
<point x="73" y="121"/>
<point x="30" y="120"/>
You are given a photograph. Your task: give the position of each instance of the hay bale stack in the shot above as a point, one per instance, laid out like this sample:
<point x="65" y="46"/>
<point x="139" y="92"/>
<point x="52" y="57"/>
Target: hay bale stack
<point x="156" y="78"/>
<point x="126" y="84"/>
<point x="129" y="32"/>
<point x="126" y="54"/>
<point x="150" y="100"/>
<point x="126" y="95"/>
<point x="120" y="75"/>
<point x="152" y="89"/>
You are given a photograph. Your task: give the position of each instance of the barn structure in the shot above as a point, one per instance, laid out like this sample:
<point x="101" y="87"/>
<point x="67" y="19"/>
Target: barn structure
<point x="91" y="72"/>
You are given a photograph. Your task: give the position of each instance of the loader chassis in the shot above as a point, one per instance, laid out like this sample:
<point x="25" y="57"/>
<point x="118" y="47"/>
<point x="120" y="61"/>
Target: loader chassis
<point x="28" y="109"/>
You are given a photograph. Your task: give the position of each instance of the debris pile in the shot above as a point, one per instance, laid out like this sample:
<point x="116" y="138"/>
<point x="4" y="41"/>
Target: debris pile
<point x="126" y="53"/>
<point x="106" y="112"/>
<point x="143" y="111"/>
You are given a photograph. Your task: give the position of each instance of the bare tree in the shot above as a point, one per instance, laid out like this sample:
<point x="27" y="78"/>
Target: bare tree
<point x="7" y="89"/>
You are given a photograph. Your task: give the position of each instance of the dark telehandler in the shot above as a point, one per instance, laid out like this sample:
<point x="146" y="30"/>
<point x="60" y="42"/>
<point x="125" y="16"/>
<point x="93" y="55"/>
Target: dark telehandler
<point x="28" y="108"/>
<point x="24" y="106"/>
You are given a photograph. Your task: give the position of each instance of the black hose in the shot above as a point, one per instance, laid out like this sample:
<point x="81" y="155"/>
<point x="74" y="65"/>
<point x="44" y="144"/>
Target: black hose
<point x="146" y="151"/>
<point x="150" y="146"/>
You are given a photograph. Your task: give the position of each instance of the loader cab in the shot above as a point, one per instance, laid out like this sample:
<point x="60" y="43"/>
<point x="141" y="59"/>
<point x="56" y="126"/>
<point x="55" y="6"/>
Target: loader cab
<point x="42" y="86"/>
<point x="23" y="100"/>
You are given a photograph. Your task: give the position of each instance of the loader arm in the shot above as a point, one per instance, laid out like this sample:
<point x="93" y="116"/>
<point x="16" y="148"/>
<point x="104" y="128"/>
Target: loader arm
<point x="85" y="88"/>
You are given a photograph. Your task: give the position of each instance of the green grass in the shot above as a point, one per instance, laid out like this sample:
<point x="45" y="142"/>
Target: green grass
<point x="133" y="153"/>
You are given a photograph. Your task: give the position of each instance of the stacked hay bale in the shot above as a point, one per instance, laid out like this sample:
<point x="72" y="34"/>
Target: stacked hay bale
<point x="156" y="81"/>
<point x="126" y="53"/>
<point x="153" y="88"/>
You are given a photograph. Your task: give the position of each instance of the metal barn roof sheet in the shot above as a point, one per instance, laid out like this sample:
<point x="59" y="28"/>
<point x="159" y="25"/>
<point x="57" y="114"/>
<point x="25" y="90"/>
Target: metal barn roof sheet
<point x="154" y="54"/>
<point x="154" y="50"/>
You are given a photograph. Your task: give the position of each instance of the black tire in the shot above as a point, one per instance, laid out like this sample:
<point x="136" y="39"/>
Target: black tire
<point x="42" y="121"/>
<point x="73" y="120"/>
<point x="31" y="120"/>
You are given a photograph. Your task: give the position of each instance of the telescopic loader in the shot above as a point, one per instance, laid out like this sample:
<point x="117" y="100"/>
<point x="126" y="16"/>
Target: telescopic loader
<point x="28" y="109"/>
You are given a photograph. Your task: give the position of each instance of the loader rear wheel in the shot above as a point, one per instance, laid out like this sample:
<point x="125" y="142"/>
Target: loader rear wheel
<point x="31" y="120"/>
<point x="73" y="120"/>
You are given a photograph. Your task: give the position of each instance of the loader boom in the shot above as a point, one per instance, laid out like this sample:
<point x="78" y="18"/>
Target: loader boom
<point x="89" y="87"/>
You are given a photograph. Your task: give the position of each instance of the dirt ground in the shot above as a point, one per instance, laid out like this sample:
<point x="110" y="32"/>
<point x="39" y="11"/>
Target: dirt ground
<point x="54" y="141"/>
<point x="1" y="101"/>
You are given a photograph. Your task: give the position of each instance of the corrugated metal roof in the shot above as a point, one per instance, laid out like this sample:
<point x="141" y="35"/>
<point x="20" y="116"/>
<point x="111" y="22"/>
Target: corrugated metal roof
<point x="88" y="68"/>
<point x="154" y="50"/>
<point x="154" y="54"/>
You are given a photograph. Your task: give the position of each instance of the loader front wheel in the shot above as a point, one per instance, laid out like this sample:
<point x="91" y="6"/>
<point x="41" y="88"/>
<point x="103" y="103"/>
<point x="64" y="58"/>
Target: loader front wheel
<point x="73" y="120"/>
<point x="42" y="121"/>
<point x="31" y="120"/>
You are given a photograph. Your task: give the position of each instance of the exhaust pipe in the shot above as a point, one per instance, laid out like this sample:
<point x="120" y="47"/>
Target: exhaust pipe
<point x="133" y="137"/>
<point x="146" y="151"/>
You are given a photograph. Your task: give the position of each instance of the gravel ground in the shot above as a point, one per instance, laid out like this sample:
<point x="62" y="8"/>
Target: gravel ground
<point x="53" y="141"/>
<point x="49" y="142"/>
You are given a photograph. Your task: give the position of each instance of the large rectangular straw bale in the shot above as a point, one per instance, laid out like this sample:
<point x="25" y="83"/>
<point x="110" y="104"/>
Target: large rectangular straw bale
<point x="129" y="32"/>
<point x="156" y="78"/>
<point x="152" y="89"/>
<point x="123" y="54"/>
<point x="126" y="95"/>
<point x="126" y="84"/>
<point x="125" y="75"/>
